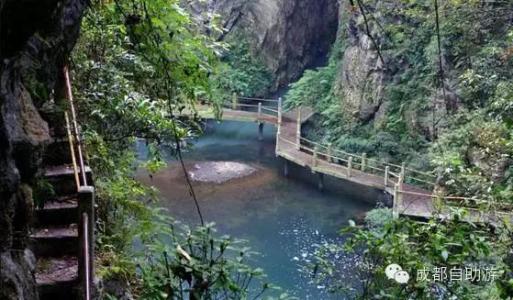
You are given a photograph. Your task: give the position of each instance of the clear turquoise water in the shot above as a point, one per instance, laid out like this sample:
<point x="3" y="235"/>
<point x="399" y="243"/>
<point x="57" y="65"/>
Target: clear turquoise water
<point x="284" y="219"/>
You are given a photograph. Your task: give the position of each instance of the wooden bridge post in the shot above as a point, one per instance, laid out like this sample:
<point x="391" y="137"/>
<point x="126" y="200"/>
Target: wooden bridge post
<point x="234" y="101"/>
<point x="259" y="110"/>
<point x="364" y="161"/>
<point x="279" y="111"/>
<point x="403" y="172"/>
<point x="278" y="138"/>
<point x="330" y="152"/>
<point x="349" y="166"/>
<point x="298" y="129"/>
<point x="387" y="169"/>
<point x="395" y="207"/>
<point x="86" y="214"/>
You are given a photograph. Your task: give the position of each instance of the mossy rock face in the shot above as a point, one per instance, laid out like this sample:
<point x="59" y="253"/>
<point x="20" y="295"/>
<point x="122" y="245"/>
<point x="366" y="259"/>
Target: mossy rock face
<point x="36" y="39"/>
<point x="288" y="35"/>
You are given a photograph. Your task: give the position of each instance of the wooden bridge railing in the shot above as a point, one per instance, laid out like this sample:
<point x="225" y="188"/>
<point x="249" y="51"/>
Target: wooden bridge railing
<point x="391" y="172"/>
<point x="351" y="161"/>
<point x="86" y="195"/>
<point x="391" y="179"/>
<point x="394" y="176"/>
<point x="237" y="102"/>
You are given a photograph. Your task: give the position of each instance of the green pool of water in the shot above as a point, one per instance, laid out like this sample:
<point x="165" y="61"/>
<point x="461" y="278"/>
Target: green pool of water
<point x="283" y="218"/>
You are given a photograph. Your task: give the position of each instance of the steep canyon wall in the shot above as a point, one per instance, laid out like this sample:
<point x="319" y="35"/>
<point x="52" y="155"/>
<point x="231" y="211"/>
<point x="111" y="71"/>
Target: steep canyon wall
<point x="288" y="35"/>
<point x="36" y="38"/>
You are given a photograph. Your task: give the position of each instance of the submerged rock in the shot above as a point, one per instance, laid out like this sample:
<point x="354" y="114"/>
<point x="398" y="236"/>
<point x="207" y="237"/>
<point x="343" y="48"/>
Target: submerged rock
<point x="220" y="171"/>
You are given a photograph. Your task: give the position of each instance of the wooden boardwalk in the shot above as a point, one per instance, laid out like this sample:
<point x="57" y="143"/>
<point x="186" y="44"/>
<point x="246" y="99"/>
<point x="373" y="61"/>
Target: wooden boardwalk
<point x="415" y="200"/>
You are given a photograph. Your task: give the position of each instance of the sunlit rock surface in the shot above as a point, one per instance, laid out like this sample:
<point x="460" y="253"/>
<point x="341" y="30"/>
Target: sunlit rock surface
<point x="219" y="171"/>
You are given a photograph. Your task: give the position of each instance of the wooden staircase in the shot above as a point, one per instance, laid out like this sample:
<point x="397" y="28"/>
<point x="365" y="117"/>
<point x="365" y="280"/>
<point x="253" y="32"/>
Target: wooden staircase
<point x="55" y="239"/>
<point x="61" y="238"/>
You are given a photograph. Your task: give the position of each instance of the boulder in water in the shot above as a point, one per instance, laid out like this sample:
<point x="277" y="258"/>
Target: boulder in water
<point x="219" y="171"/>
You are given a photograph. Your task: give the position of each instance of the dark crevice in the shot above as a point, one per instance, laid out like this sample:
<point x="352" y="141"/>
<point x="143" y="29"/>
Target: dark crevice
<point x="28" y="17"/>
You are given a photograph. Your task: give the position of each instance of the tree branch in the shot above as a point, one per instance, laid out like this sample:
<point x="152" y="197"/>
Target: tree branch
<point x="367" y="29"/>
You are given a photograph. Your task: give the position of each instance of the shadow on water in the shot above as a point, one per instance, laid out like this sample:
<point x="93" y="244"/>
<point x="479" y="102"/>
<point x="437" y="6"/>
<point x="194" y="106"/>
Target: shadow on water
<point x="283" y="218"/>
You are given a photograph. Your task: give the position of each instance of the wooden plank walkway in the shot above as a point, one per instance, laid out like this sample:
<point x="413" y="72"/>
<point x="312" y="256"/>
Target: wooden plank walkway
<point x="287" y="148"/>
<point x="409" y="200"/>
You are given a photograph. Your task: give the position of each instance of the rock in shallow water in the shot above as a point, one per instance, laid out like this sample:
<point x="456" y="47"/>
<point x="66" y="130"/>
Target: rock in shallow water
<point x="220" y="171"/>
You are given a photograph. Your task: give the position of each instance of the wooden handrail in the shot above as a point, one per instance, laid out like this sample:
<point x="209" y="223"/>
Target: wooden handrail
<point x="75" y="125"/>
<point x="270" y="109"/>
<point x="229" y="105"/>
<point x="444" y="197"/>
<point x="258" y="99"/>
<point x="394" y="174"/>
<point x="85" y="196"/>
<point x="368" y="160"/>
<point x="87" y="268"/>
<point x="72" y="149"/>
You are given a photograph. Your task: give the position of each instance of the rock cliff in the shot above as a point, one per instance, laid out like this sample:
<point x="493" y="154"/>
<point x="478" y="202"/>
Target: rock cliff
<point x="362" y="76"/>
<point x="289" y="35"/>
<point x="36" y="38"/>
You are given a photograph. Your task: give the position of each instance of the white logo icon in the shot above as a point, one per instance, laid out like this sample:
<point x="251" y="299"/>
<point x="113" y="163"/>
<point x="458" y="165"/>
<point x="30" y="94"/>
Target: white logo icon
<point x="394" y="271"/>
<point x="402" y="277"/>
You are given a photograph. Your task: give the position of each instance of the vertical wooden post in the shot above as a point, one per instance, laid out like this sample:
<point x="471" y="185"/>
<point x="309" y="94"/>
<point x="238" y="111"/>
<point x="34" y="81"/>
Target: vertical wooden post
<point x="387" y="168"/>
<point x="259" y="110"/>
<point x="279" y="112"/>
<point x="364" y="161"/>
<point x="298" y="129"/>
<point x="395" y="207"/>
<point x="86" y="214"/>
<point x="315" y="154"/>
<point x="330" y="152"/>
<point x="403" y="172"/>
<point x="234" y="101"/>
<point x="277" y="143"/>
<point x="349" y="166"/>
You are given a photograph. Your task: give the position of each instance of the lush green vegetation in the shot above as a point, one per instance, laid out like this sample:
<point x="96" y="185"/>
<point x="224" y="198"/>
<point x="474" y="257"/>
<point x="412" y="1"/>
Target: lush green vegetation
<point x="462" y="127"/>
<point x="476" y="60"/>
<point x="137" y="66"/>
<point x="241" y="72"/>
<point x="420" y="248"/>
<point x="448" y="109"/>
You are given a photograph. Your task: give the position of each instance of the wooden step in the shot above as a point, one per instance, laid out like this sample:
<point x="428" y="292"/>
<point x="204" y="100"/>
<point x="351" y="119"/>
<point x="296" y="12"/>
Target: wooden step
<point x="57" y="278"/>
<point x="57" y="212"/>
<point x="62" y="179"/>
<point x="65" y="170"/>
<point x="55" y="241"/>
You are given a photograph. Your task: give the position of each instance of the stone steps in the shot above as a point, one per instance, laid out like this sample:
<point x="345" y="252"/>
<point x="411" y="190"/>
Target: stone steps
<point x="56" y="278"/>
<point x="55" y="241"/>
<point x="57" y="212"/>
<point x="62" y="179"/>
